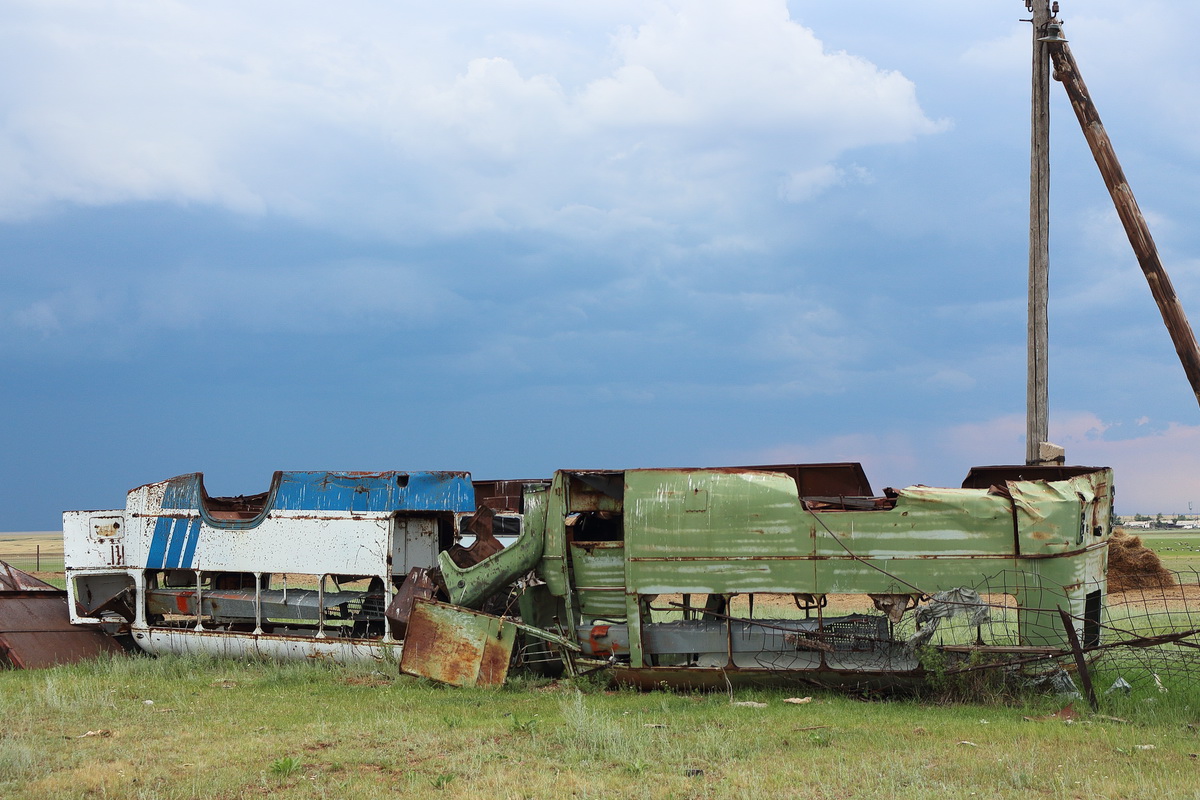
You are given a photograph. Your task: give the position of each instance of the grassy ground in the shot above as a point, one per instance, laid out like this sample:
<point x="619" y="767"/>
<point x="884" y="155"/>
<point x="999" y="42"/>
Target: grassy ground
<point x="196" y="728"/>
<point x="188" y="728"/>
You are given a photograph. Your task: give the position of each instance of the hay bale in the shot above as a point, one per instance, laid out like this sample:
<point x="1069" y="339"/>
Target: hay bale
<point x="1132" y="565"/>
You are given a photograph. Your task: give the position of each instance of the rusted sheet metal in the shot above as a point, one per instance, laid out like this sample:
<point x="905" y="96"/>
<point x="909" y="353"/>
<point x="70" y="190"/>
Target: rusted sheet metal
<point x="987" y="477"/>
<point x="610" y="542"/>
<point x="843" y="479"/>
<point x="418" y="583"/>
<point x="480" y="525"/>
<point x="595" y="491"/>
<point x="504" y="495"/>
<point x="456" y="646"/>
<point x="14" y="580"/>
<point x="35" y="631"/>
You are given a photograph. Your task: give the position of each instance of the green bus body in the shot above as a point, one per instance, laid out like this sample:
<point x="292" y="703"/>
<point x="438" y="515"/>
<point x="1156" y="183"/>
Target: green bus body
<point x="607" y="545"/>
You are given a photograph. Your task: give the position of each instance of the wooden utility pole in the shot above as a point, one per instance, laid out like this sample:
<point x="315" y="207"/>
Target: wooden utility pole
<point x="1067" y="71"/>
<point x="1037" y="413"/>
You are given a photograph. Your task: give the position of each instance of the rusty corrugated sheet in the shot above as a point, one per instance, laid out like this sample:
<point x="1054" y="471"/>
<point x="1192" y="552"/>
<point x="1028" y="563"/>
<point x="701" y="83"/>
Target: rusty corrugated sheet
<point x="36" y="629"/>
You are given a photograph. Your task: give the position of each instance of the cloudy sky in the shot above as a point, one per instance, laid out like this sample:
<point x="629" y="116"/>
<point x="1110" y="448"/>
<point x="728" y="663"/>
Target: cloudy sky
<point x="520" y="235"/>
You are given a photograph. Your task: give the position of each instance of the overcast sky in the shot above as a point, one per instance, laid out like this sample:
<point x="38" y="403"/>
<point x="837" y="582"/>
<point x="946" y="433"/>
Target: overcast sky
<point x="511" y="237"/>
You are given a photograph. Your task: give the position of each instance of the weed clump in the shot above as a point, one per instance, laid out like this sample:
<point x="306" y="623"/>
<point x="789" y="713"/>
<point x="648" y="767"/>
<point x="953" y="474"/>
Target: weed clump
<point x="973" y="678"/>
<point x="285" y="767"/>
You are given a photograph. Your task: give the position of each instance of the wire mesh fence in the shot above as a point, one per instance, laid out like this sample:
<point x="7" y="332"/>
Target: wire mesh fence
<point x="37" y="560"/>
<point x="1013" y="627"/>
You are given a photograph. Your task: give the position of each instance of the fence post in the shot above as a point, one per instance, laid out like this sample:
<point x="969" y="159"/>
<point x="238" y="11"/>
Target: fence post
<point x="38" y="557"/>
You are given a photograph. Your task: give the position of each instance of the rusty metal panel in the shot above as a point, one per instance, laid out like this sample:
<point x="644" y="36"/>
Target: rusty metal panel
<point x="595" y="491"/>
<point x="418" y="583"/>
<point x="843" y="479"/>
<point x="456" y="646"/>
<point x="14" y="580"/>
<point x="505" y="495"/>
<point x="985" y="477"/>
<point x="36" y="631"/>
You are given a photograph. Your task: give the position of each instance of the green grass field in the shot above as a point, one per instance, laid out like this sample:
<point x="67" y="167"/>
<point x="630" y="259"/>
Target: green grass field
<point x="195" y="728"/>
<point x="1179" y="550"/>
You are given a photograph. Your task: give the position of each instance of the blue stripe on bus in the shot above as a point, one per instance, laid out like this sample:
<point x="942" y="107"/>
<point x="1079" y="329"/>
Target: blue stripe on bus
<point x="178" y="534"/>
<point x="158" y="545"/>
<point x="189" y="550"/>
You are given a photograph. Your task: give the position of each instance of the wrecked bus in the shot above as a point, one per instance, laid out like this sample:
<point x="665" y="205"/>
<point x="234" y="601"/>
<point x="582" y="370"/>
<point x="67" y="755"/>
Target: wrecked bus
<point x="675" y="576"/>
<point x="679" y="576"/>
<point x="309" y="568"/>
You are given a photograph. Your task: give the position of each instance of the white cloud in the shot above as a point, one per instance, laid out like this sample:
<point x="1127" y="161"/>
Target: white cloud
<point x="68" y="308"/>
<point x="1155" y="471"/>
<point x="414" y="121"/>
<point x="802" y="186"/>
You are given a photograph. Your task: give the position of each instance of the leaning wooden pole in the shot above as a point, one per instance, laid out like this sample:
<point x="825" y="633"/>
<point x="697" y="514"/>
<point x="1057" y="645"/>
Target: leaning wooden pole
<point x="1067" y="71"/>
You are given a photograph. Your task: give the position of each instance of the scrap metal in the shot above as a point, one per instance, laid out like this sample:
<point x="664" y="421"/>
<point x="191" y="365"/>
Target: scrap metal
<point x="35" y="627"/>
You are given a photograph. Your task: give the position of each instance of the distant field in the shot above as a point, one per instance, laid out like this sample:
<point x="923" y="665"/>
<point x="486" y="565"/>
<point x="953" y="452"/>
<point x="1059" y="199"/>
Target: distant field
<point x="23" y="542"/>
<point x="1179" y="550"/>
<point x="39" y="552"/>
